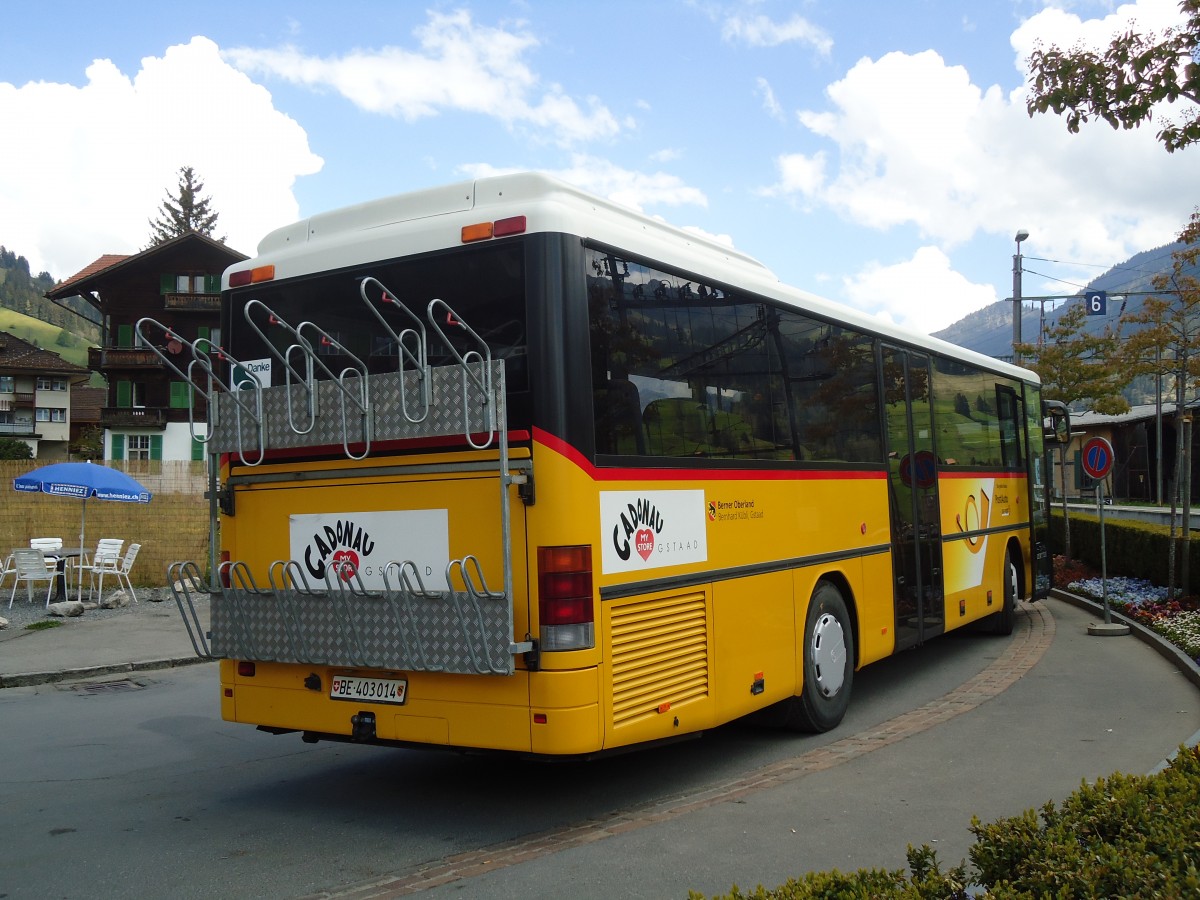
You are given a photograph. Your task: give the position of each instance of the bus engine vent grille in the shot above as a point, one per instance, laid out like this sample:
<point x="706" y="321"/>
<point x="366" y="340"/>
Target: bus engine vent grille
<point x="659" y="655"/>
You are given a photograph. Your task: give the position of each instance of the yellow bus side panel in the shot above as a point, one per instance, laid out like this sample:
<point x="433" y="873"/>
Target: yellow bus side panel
<point x="971" y="504"/>
<point x="754" y="644"/>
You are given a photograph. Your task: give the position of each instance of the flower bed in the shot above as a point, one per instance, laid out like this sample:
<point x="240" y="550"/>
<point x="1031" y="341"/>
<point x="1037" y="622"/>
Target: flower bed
<point x="1147" y="604"/>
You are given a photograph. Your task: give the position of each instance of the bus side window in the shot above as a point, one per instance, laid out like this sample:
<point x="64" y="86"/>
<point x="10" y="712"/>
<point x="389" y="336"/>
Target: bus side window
<point x="677" y="426"/>
<point x="619" y="418"/>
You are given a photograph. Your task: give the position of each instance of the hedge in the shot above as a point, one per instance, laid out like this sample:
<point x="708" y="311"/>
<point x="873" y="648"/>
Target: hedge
<point x="1134" y="549"/>
<point x="1124" y="836"/>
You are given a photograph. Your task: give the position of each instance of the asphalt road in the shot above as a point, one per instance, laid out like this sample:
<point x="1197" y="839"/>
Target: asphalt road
<point x="133" y="786"/>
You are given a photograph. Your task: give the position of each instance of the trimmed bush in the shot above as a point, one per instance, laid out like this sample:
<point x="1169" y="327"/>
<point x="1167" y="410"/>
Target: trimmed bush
<point x="1135" y="549"/>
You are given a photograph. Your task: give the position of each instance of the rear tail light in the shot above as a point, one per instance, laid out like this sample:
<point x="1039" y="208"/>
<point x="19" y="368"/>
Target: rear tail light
<point x="223" y="569"/>
<point x="565" y="610"/>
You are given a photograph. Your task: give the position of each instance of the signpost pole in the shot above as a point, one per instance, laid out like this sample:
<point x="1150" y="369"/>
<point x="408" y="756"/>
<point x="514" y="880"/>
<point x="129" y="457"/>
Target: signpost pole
<point x="1097" y="462"/>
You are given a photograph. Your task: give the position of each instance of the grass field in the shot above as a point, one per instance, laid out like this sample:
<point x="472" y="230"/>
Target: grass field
<point x="45" y="336"/>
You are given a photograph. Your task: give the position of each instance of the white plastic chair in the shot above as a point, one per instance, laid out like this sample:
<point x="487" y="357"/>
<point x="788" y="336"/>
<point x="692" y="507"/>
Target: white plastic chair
<point x="105" y="561"/>
<point x="10" y="568"/>
<point x="30" y="567"/>
<point x="48" y="546"/>
<point x="123" y="570"/>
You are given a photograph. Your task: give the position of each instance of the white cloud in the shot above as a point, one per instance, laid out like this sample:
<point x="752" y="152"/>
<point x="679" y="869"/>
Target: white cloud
<point x="918" y="143"/>
<point x="923" y="293"/>
<point x="759" y="31"/>
<point x="770" y="104"/>
<point x="460" y="65"/>
<point x="110" y="150"/>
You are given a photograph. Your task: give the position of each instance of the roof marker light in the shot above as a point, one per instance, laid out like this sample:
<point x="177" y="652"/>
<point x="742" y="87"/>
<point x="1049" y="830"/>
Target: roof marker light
<point x="480" y="232"/>
<point x="252" y="276"/>
<point x="511" y="225"/>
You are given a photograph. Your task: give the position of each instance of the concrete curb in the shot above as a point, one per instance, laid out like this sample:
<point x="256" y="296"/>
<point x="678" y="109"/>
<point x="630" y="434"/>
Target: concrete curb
<point x="31" y="679"/>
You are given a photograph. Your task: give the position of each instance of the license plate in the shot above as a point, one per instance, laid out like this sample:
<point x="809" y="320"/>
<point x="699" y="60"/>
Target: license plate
<point x="369" y="690"/>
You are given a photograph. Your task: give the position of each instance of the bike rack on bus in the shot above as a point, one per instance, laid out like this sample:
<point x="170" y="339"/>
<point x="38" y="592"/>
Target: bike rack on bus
<point x="482" y="382"/>
<point x="419" y="358"/>
<point x="467" y="627"/>
<point x="201" y="363"/>
<point x="306" y="380"/>
<point x="185" y="580"/>
<point x="358" y="370"/>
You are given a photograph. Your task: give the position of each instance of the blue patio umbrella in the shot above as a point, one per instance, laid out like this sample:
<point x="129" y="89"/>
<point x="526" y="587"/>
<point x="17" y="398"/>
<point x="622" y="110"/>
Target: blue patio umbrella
<point x="83" y="480"/>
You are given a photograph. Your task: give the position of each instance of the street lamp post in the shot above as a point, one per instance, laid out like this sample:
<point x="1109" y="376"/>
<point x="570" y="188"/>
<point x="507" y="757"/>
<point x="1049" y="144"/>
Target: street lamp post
<point x="1022" y="235"/>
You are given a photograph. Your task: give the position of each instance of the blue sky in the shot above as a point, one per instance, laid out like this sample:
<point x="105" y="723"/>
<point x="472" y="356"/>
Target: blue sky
<point x="875" y="152"/>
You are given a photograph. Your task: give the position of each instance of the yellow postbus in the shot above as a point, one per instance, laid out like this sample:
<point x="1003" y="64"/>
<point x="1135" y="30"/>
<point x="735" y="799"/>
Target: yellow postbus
<point x="505" y="465"/>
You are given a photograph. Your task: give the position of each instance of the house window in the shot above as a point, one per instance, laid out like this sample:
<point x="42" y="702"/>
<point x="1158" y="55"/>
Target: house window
<point x="138" y="396"/>
<point x="7" y="384"/>
<point x="189" y="284"/>
<point x="43" y="384"/>
<point x="58" y="384"/>
<point x="58" y="415"/>
<point x="137" y="446"/>
<point x="43" y="414"/>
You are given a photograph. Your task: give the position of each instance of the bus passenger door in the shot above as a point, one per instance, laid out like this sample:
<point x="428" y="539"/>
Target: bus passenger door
<point x="913" y="497"/>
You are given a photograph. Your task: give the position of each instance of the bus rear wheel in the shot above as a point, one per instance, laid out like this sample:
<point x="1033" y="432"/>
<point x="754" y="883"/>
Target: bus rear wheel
<point x="828" y="664"/>
<point x="1001" y="622"/>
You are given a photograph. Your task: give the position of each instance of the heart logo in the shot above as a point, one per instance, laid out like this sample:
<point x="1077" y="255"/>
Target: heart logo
<point x="644" y="541"/>
<point x="345" y="564"/>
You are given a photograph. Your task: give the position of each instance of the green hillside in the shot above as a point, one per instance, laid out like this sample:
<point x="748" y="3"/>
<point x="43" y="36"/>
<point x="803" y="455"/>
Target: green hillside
<point x="69" y="346"/>
<point x="26" y="313"/>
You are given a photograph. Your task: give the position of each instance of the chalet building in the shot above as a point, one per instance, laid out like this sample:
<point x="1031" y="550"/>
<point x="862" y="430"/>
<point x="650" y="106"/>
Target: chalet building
<point x="35" y="396"/>
<point x="178" y="284"/>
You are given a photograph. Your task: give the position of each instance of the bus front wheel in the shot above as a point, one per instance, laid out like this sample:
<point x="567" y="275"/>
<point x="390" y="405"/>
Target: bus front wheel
<point x="828" y="664"/>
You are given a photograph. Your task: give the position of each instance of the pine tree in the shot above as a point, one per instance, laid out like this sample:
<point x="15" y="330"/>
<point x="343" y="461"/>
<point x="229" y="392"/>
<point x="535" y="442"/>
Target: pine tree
<point x="183" y="213"/>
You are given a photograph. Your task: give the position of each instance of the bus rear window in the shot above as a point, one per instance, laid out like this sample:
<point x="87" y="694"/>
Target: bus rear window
<point x="485" y="286"/>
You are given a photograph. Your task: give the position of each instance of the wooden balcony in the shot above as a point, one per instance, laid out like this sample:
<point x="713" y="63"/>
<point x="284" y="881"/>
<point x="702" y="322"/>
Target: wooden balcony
<point x="23" y="398"/>
<point x="101" y="358"/>
<point x="133" y="417"/>
<point x="209" y="303"/>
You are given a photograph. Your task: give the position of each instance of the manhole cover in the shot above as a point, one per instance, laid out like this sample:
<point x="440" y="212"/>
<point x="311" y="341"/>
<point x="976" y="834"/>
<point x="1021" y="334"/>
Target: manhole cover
<point x="106" y="687"/>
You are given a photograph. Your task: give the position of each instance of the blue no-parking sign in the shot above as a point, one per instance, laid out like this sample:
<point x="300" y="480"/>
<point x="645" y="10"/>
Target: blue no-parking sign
<point x="1097" y="457"/>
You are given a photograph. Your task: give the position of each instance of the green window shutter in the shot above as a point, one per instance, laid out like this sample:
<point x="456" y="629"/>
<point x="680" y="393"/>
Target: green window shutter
<point x="124" y="335"/>
<point x="118" y="446"/>
<point x="124" y="394"/>
<point x="179" y="395"/>
<point x="1078" y="468"/>
<point x="212" y="284"/>
<point x="166" y="284"/>
<point x="197" y="451"/>
<point x="156" y="446"/>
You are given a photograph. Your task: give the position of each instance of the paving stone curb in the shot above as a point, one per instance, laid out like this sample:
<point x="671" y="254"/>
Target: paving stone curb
<point x="32" y="679"/>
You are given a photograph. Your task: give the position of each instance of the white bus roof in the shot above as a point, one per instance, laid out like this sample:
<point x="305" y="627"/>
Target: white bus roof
<point x="432" y="219"/>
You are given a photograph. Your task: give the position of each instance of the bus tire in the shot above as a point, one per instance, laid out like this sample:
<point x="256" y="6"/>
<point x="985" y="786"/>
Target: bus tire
<point x="1001" y="622"/>
<point x="828" y="664"/>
